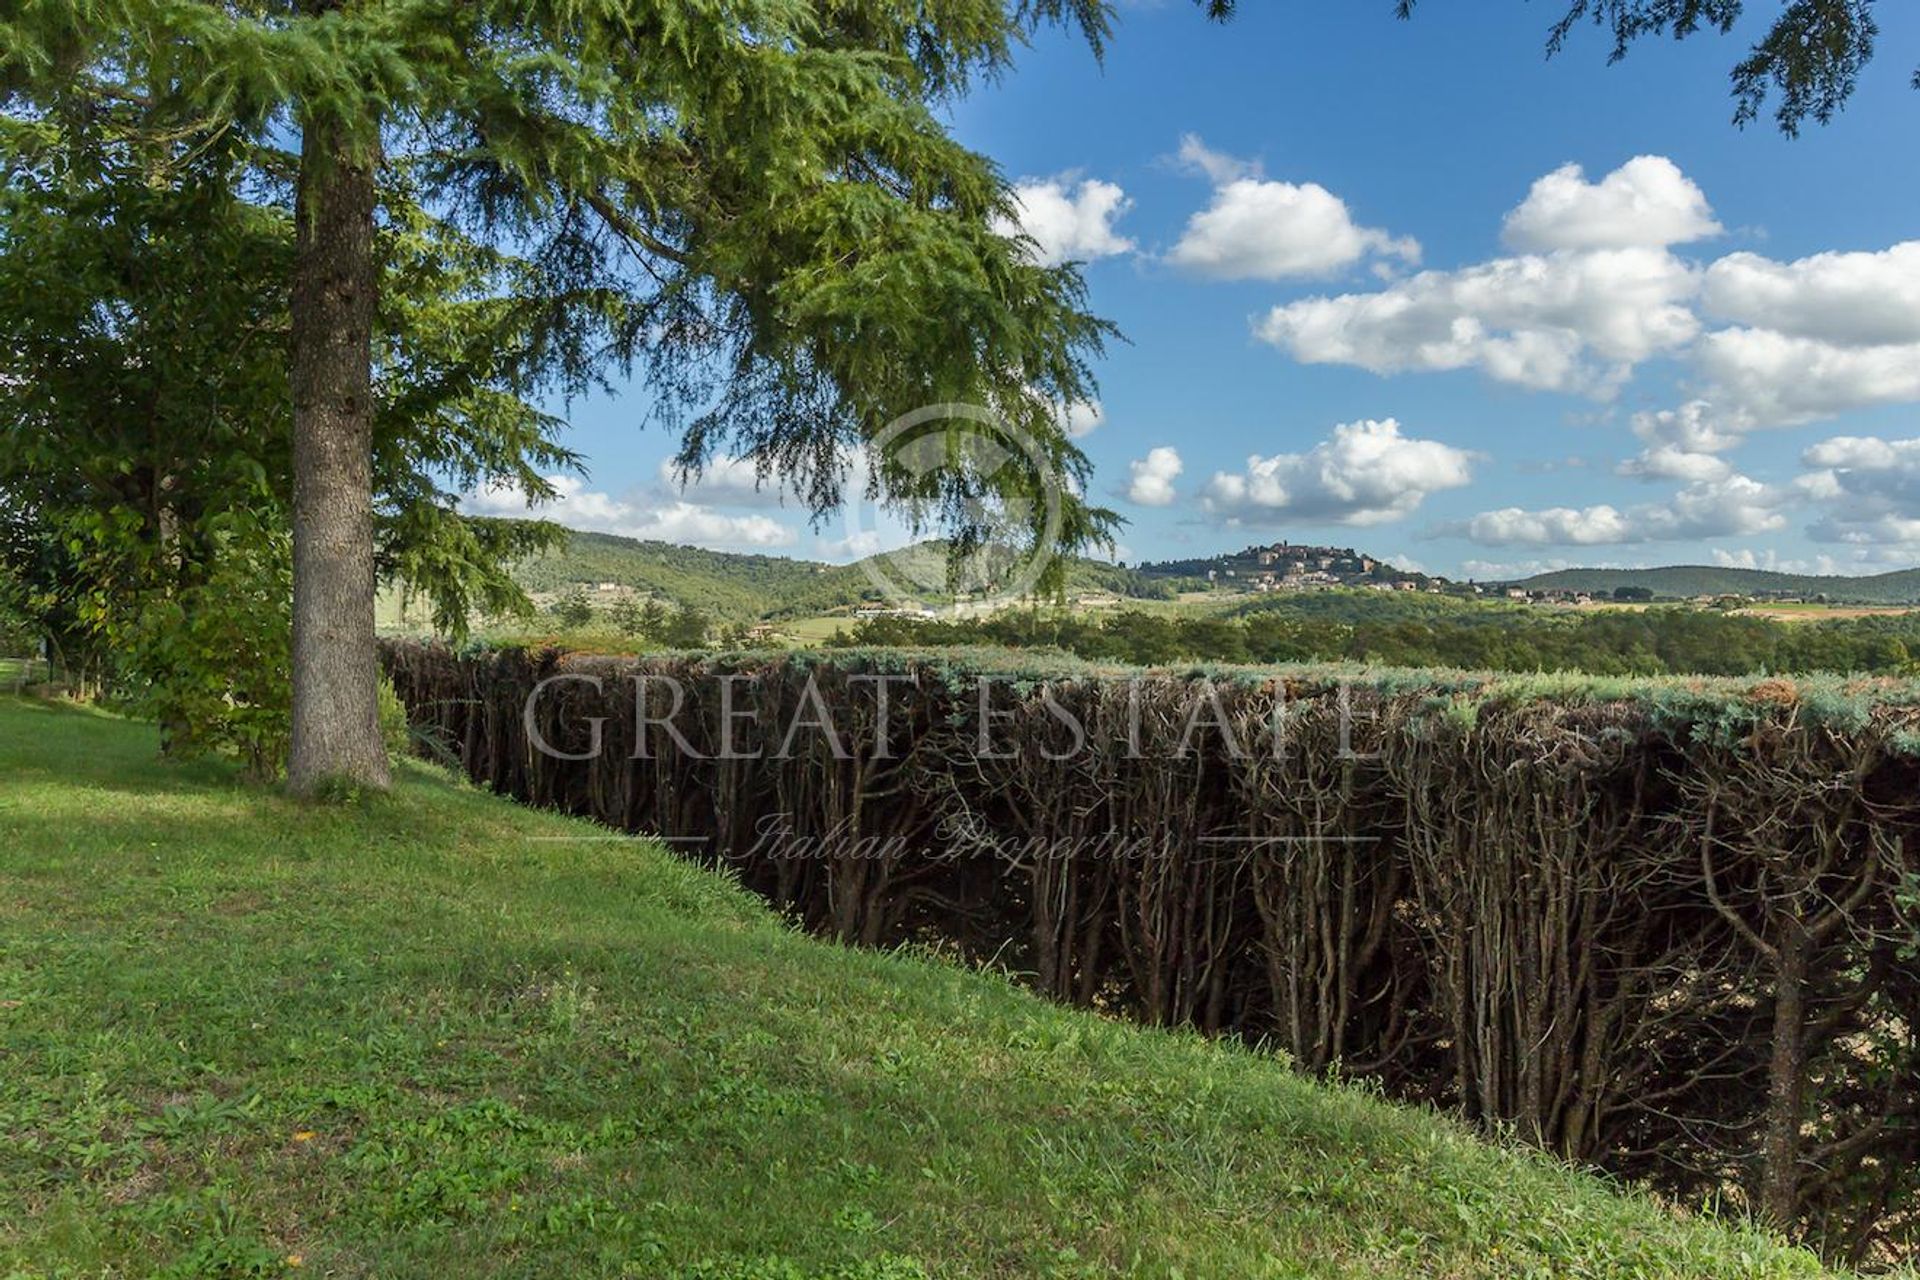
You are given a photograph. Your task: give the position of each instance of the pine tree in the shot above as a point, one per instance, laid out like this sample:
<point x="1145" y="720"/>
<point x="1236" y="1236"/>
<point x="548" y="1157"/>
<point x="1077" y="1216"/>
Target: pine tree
<point x="752" y="199"/>
<point x="686" y="629"/>
<point x="144" y="431"/>
<point x="653" y="621"/>
<point x="625" y="616"/>
<point x="573" y="610"/>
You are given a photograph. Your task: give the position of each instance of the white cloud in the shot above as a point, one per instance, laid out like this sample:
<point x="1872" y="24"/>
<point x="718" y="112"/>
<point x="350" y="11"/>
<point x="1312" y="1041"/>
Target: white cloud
<point x="1081" y="418"/>
<point x="1666" y="462"/>
<point x="1681" y="445"/>
<point x="1646" y="202"/>
<point x="1815" y="337"/>
<point x="1365" y="473"/>
<point x="1732" y="506"/>
<point x="1219" y="167"/>
<point x="1257" y="229"/>
<point x="694" y="524"/>
<point x="1565" y="321"/>
<point x="1150" y="479"/>
<point x="1778" y="379"/>
<point x="1554" y="526"/>
<point x="1870" y="488"/>
<point x="724" y="482"/>
<point x="1869" y="455"/>
<point x="1597" y="291"/>
<point x="1845" y="299"/>
<point x="1069" y="221"/>
<point x="860" y="544"/>
<point x="1748" y="558"/>
<point x="666" y="520"/>
<point x="1694" y="427"/>
<point x="1507" y="570"/>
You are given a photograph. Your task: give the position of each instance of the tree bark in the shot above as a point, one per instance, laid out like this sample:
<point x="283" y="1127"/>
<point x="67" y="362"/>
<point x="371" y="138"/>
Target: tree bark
<point x="336" y="729"/>
<point x="1786" y="1085"/>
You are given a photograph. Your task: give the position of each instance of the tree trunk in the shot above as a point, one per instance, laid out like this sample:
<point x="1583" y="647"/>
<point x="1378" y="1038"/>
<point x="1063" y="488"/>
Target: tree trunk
<point x="1786" y="1085"/>
<point x="336" y="729"/>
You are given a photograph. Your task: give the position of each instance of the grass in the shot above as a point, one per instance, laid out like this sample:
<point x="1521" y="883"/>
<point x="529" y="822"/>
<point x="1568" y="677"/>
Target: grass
<point x="437" y="1034"/>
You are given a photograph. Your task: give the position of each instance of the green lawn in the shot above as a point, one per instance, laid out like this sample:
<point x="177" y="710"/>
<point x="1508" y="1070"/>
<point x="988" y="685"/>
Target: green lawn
<point x="441" y="1035"/>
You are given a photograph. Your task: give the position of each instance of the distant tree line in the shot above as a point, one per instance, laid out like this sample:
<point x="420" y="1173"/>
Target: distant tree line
<point x="653" y="622"/>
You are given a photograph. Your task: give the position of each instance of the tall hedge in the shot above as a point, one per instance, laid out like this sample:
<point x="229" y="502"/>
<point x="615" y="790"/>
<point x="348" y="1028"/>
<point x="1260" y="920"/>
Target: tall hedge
<point x="1663" y="927"/>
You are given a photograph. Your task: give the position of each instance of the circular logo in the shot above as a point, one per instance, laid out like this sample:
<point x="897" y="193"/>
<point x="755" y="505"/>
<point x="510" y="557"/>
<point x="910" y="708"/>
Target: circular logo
<point x="993" y="486"/>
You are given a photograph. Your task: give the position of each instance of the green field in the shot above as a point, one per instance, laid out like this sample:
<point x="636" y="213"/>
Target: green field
<point x="440" y="1034"/>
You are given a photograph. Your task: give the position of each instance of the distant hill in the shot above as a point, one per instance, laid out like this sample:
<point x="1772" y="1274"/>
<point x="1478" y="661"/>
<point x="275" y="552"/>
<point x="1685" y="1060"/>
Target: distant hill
<point x="737" y="586"/>
<point x="1281" y="564"/>
<point x="1681" y="582"/>
<point x="728" y="584"/>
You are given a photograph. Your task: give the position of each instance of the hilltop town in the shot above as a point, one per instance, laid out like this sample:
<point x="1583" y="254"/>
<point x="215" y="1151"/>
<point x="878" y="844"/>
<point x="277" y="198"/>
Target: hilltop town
<point x="1292" y="566"/>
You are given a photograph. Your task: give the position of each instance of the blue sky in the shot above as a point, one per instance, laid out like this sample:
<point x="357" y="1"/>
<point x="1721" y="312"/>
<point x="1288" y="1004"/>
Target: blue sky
<point x="1367" y="301"/>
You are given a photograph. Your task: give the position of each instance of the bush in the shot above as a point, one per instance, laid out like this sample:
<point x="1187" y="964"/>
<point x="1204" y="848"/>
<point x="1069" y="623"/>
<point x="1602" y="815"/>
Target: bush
<point x="394" y="730"/>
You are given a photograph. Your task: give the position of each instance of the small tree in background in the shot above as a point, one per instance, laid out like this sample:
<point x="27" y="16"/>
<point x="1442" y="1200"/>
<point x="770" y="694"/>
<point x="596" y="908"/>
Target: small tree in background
<point x="653" y="621"/>
<point x="686" y="629"/>
<point x="625" y="616"/>
<point x="572" y="610"/>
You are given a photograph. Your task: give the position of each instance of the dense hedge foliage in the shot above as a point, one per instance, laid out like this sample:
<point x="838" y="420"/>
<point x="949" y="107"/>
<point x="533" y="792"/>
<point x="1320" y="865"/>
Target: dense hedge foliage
<point x="1438" y="631"/>
<point x="1666" y="927"/>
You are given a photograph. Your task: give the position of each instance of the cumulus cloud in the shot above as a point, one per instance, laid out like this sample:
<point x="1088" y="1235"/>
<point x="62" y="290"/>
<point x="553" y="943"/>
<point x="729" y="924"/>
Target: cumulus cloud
<point x="1219" y="167"/>
<point x="1695" y="427"/>
<point x="664" y="520"/>
<point x="1258" y="229"/>
<point x="1565" y="321"/>
<point x="1499" y="570"/>
<point x="1846" y="299"/>
<point x="1364" y="473"/>
<point x="1069" y="221"/>
<point x="1554" y="526"/>
<point x="1081" y="418"/>
<point x="1729" y="507"/>
<point x="1681" y="444"/>
<point x="1779" y="379"/>
<point x="1645" y="203"/>
<point x="1665" y="462"/>
<point x="1748" y="558"/>
<point x="1733" y="506"/>
<point x="1595" y="289"/>
<point x="725" y="482"/>
<point x="1869" y="487"/>
<point x="1150" y="479"/>
<point x="1815" y="337"/>
<point x="859" y="544"/>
